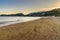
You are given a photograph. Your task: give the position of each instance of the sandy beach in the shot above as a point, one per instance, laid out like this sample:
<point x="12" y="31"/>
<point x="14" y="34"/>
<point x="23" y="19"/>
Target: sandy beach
<point x="41" y="29"/>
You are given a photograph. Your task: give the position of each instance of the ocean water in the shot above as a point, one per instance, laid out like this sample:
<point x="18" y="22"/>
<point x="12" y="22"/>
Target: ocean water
<point x="7" y="20"/>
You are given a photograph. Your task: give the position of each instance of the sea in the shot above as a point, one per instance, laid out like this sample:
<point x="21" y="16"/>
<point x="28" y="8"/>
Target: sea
<point x="9" y="20"/>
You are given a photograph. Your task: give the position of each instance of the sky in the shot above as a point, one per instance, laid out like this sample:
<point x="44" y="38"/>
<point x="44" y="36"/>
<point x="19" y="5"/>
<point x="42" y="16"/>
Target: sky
<point x="27" y="6"/>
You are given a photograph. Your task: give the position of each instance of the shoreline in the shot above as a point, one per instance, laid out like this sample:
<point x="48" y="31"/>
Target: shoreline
<point x="41" y="29"/>
<point x="18" y="21"/>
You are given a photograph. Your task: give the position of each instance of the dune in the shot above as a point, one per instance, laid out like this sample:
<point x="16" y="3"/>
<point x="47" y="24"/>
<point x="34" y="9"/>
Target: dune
<point x="41" y="29"/>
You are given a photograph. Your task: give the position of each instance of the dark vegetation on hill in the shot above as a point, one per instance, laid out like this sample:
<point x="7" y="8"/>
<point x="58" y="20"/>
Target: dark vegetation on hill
<point x="18" y="14"/>
<point x="54" y="12"/>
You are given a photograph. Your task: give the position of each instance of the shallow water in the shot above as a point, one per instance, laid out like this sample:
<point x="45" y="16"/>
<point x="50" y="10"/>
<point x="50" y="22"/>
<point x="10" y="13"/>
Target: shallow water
<point x="4" y="21"/>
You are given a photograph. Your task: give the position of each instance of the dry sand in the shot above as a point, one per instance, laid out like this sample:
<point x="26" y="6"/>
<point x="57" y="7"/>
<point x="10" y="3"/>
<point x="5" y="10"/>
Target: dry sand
<point x="42" y="29"/>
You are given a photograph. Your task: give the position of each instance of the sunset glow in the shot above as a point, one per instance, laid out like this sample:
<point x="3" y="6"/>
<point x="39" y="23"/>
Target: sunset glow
<point x="27" y="6"/>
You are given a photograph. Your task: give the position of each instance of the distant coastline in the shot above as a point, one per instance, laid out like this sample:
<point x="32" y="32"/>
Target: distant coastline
<point x="54" y="12"/>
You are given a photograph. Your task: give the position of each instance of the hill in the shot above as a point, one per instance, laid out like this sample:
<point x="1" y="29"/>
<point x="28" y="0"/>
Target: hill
<point x="42" y="29"/>
<point x="54" y="12"/>
<point x="17" y="14"/>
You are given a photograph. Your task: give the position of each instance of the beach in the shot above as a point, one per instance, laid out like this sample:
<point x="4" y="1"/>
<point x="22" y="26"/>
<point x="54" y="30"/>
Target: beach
<point x="40" y="29"/>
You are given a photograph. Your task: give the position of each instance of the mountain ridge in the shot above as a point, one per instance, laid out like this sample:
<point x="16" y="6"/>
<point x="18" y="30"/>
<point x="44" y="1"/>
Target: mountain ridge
<point x="53" y="12"/>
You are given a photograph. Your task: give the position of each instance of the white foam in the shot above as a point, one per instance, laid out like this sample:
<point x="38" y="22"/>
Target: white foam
<point x="24" y="19"/>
